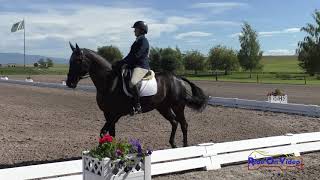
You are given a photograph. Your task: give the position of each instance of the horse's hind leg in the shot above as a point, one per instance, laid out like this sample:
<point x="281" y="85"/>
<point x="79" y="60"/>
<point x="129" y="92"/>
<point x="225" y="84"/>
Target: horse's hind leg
<point x="170" y="116"/>
<point x="179" y="112"/>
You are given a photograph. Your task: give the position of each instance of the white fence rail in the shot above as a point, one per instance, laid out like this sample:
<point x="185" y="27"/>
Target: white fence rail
<point x="301" y="109"/>
<point x="208" y="156"/>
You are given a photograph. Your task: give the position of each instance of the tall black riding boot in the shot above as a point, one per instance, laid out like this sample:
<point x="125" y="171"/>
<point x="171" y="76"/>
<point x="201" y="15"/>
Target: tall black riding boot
<point x="136" y="98"/>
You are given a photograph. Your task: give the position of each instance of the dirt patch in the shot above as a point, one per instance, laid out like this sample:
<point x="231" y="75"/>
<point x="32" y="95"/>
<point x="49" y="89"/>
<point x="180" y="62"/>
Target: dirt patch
<point x="302" y="94"/>
<point x="42" y="124"/>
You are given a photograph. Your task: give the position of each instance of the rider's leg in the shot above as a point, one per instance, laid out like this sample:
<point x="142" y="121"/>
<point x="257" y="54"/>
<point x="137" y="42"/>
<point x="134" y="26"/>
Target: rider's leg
<point x="137" y="75"/>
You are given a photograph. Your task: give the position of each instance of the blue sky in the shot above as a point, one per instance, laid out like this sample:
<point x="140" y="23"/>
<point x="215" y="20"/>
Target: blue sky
<point x="194" y="24"/>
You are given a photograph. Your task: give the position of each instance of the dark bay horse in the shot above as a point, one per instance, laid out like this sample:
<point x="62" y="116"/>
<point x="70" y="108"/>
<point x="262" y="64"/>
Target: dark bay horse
<point x="170" y="100"/>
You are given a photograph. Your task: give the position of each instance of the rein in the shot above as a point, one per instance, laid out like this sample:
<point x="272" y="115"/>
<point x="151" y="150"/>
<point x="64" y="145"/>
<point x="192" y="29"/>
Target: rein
<point x="85" y="76"/>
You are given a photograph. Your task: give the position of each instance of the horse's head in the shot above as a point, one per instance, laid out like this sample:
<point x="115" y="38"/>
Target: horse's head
<point x="78" y="66"/>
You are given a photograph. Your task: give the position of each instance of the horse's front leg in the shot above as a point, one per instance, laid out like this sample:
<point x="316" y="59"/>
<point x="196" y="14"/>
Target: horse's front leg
<point x="110" y="124"/>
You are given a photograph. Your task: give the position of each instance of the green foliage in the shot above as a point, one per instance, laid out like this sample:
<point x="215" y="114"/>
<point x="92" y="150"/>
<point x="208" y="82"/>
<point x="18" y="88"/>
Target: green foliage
<point x="109" y="150"/>
<point x="155" y="59"/>
<point x="194" y="60"/>
<point x="309" y="49"/>
<point x="110" y="53"/>
<point x="166" y="59"/>
<point x="249" y="55"/>
<point x="276" y="92"/>
<point x="35" y="64"/>
<point x="42" y="63"/>
<point x="49" y="62"/>
<point x="170" y="59"/>
<point x="222" y="58"/>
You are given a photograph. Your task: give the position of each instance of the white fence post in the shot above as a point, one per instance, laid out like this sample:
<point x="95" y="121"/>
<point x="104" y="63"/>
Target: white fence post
<point x="211" y="163"/>
<point x="293" y="143"/>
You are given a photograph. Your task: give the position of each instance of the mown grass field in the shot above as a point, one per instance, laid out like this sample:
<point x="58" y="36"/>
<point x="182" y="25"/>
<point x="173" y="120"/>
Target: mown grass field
<point x="58" y="69"/>
<point x="281" y="64"/>
<point x="276" y="69"/>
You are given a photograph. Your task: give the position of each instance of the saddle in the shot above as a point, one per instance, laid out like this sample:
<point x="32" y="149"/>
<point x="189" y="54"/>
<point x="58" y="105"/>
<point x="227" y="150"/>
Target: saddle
<point x="147" y="86"/>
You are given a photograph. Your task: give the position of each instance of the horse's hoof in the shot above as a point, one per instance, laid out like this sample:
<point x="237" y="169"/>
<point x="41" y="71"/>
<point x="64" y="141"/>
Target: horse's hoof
<point x="102" y="134"/>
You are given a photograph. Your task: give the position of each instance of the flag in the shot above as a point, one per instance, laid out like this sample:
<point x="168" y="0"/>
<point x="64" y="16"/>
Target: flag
<point x="17" y="26"/>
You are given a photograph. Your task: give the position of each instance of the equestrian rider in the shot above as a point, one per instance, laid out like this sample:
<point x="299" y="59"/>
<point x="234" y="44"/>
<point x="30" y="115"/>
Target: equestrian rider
<point x="137" y="59"/>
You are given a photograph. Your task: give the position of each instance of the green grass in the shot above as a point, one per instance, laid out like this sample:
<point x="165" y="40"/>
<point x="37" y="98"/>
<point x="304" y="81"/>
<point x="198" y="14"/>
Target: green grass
<point x="277" y="69"/>
<point x="280" y="64"/>
<point x="262" y="78"/>
<point x="58" y="69"/>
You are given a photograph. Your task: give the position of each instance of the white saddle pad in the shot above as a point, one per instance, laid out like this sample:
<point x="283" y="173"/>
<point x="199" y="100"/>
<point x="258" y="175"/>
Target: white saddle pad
<point x="148" y="88"/>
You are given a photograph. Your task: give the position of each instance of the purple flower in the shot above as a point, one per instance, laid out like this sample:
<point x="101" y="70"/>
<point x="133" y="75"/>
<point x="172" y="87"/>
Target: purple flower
<point x="136" y="145"/>
<point x="149" y="151"/>
<point x="118" y="152"/>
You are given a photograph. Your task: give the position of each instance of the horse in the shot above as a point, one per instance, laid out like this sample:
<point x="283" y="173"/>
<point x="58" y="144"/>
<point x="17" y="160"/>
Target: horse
<point x="170" y="100"/>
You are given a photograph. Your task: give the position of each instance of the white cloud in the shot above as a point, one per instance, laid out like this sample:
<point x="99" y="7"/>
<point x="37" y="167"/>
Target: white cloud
<point x="192" y="34"/>
<point x="271" y="33"/>
<point x="284" y="31"/>
<point x="219" y="7"/>
<point x="221" y="23"/>
<point x="292" y="30"/>
<point x="279" y="52"/>
<point x="90" y="26"/>
<point x="181" y="20"/>
<point x="234" y="35"/>
<point x="177" y="20"/>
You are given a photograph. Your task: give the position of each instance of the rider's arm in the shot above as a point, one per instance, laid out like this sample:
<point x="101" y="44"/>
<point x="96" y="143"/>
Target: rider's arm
<point x="142" y="50"/>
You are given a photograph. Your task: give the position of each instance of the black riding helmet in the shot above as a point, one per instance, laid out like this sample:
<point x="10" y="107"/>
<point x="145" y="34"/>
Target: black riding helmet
<point x="141" y="25"/>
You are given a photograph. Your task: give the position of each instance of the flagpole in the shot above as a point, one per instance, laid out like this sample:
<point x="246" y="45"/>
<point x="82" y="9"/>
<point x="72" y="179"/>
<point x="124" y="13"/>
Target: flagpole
<point x="24" y="44"/>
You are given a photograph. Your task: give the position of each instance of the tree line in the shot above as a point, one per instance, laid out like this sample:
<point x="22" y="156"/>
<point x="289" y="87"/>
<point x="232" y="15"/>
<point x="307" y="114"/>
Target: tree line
<point x="222" y="58"/>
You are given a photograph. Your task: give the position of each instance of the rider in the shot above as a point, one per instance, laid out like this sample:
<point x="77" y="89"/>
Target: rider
<point x="137" y="59"/>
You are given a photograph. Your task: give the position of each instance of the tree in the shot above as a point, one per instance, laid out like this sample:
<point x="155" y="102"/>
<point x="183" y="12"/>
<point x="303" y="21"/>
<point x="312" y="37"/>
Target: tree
<point x="155" y="59"/>
<point x="170" y="59"/>
<point x="249" y="55"/>
<point x="35" y="64"/>
<point x="222" y="58"/>
<point x="49" y="62"/>
<point x="110" y="53"/>
<point x="42" y="63"/>
<point x="309" y="49"/>
<point x="194" y="60"/>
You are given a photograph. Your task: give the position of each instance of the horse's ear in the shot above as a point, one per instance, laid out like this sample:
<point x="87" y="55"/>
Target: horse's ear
<point x="77" y="48"/>
<point x="72" y="47"/>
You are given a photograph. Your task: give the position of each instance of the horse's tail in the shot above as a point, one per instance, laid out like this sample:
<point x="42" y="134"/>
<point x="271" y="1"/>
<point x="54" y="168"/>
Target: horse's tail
<point x="198" y="100"/>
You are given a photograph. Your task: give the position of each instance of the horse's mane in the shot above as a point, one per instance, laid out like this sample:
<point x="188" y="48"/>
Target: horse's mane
<point x="96" y="56"/>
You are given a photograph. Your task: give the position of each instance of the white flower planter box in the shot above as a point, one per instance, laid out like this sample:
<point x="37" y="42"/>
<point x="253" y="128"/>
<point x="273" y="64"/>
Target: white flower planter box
<point x="29" y="80"/>
<point x="4" y="78"/>
<point x="278" y="99"/>
<point x="94" y="169"/>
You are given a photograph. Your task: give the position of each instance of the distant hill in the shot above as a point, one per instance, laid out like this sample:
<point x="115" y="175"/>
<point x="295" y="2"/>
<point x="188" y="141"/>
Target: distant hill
<point x="17" y="58"/>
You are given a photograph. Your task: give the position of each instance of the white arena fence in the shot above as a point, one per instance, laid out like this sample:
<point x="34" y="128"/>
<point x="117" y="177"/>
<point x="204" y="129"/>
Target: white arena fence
<point x="208" y="156"/>
<point x="49" y="85"/>
<point x="301" y="109"/>
<point x="291" y="108"/>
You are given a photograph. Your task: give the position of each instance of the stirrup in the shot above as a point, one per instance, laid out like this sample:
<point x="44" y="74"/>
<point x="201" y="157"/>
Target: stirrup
<point x="136" y="110"/>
